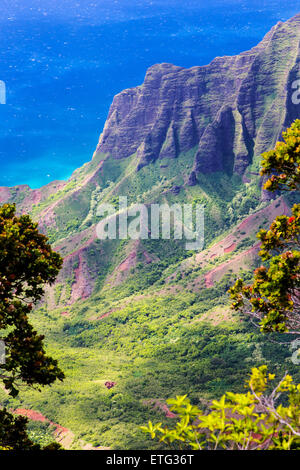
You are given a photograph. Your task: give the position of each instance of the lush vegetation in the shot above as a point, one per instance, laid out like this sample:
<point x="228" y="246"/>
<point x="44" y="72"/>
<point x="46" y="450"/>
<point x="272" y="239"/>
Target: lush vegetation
<point x="153" y="348"/>
<point x="257" y="420"/>
<point x="157" y="331"/>
<point x="273" y="298"/>
<point x="27" y="263"/>
<point x="238" y="421"/>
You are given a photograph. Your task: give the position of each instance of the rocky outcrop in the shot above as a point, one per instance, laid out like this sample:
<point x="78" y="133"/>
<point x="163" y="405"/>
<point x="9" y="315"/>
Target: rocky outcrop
<point x="192" y="179"/>
<point x="222" y="115"/>
<point x="230" y="110"/>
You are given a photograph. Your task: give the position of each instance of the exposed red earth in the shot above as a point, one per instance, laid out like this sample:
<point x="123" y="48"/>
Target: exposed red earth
<point x="123" y="270"/>
<point x="59" y="431"/>
<point x="65" y="314"/>
<point x="128" y="263"/>
<point x="147" y="257"/>
<point x="33" y="415"/>
<point x="62" y="435"/>
<point x="82" y="287"/>
<point x="235" y="263"/>
<point x="230" y="248"/>
<point x="4" y="194"/>
<point x="247" y="228"/>
<point x="160" y="405"/>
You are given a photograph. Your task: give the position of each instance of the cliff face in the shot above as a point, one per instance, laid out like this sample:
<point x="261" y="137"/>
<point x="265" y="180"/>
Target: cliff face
<point x="232" y="109"/>
<point x="202" y="120"/>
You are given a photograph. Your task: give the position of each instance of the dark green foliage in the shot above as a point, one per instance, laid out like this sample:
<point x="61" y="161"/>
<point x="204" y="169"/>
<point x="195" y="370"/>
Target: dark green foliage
<point x="13" y="432"/>
<point x="27" y="263"/>
<point x="282" y="164"/>
<point x="273" y="298"/>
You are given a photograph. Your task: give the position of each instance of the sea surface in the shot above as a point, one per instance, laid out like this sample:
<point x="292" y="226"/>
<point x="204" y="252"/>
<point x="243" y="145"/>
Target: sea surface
<point x="64" y="60"/>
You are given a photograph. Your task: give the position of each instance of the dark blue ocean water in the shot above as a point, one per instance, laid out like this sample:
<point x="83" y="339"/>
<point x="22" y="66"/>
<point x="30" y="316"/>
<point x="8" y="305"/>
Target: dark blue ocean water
<point x="64" y="60"/>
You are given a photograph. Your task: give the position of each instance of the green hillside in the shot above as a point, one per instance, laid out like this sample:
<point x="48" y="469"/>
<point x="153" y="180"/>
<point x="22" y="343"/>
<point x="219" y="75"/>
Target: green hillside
<point x="149" y="315"/>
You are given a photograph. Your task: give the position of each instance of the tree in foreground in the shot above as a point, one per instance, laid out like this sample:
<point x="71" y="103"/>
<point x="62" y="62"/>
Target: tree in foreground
<point x="27" y="264"/>
<point x="263" y="418"/>
<point x="238" y="421"/>
<point x="273" y="299"/>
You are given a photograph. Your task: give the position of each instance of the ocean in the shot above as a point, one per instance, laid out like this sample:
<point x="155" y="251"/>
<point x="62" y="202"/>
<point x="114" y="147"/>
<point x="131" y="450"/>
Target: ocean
<point x="63" y="61"/>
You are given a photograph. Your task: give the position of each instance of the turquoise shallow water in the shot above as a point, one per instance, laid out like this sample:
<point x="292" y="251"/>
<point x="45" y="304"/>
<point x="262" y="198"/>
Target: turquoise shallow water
<point x="62" y="65"/>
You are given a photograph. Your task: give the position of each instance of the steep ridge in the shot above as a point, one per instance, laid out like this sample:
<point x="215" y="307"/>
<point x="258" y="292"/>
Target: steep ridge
<point x="229" y="111"/>
<point x="232" y="109"/>
<point x="184" y="124"/>
<point x="149" y="315"/>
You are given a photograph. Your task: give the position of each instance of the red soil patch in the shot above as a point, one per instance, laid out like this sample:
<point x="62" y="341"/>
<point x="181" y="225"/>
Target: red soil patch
<point x="59" y="430"/>
<point x="65" y="314"/>
<point x="62" y="435"/>
<point x="234" y="262"/>
<point x="129" y="262"/>
<point x="47" y="216"/>
<point x="122" y="271"/>
<point x="4" y="194"/>
<point x="105" y="315"/>
<point x="82" y="287"/>
<point x="167" y="412"/>
<point x="70" y="243"/>
<point x="270" y="212"/>
<point x="158" y="404"/>
<point x="247" y="227"/>
<point x="36" y="196"/>
<point x="148" y="258"/>
<point x="31" y="414"/>
<point x="230" y="248"/>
